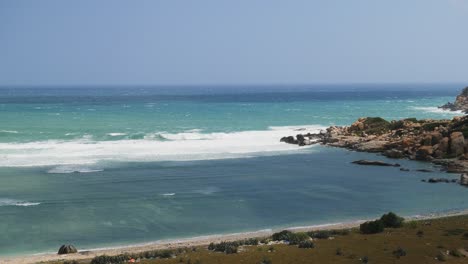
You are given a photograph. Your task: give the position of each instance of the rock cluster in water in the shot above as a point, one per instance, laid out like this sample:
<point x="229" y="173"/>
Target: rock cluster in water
<point x="460" y="104"/>
<point x="439" y="141"/>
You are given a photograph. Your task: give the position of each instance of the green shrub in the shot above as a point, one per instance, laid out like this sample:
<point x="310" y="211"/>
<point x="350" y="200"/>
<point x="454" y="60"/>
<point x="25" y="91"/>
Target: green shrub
<point x="365" y="259"/>
<point x="376" y="125"/>
<point x="211" y="246"/>
<point x="266" y="261"/>
<point x="339" y="252"/>
<point x="465" y="236"/>
<point x="325" y="234"/>
<point x="454" y="232"/>
<point x="306" y="244"/>
<point x="441" y="256"/>
<point x="411" y="119"/>
<point x="250" y="242"/>
<point x="396" y="125"/>
<point x="412" y="224"/>
<point x="399" y="252"/>
<point x="109" y="259"/>
<point x="226" y="247"/>
<point x="283" y="235"/>
<point x="372" y="227"/>
<point x="420" y="233"/>
<point x="456" y="253"/>
<point x="296" y="238"/>
<point x="432" y="126"/>
<point x="392" y="220"/>
<point x="166" y="254"/>
<point x="320" y="234"/>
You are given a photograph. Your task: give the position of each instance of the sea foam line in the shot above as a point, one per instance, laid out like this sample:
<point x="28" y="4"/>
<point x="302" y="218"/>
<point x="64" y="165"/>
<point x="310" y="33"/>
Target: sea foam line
<point x="13" y="202"/>
<point x="9" y="131"/>
<point x="185" y="146"/>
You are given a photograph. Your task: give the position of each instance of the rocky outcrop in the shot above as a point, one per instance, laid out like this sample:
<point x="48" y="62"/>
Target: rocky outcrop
<point x="464" y="179"/>
<point x="460" y="104"/>
<point x="439" y="141"/>
<point x="457" y="144"/>
<point x="67" y="249"/>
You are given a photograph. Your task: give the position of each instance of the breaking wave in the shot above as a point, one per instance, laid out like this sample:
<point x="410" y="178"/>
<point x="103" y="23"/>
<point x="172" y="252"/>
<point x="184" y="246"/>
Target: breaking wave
<point x="8" y="132"/>
<point x="13" y="202"/>
<point x="189" y="145"/>
<point x="437" y="110"/>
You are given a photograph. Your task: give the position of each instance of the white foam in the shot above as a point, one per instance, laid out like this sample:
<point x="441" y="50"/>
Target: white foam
<point x="13" y="202"/>
<point x="437" y="110"/>
<point x="116" y="134"/>
<point x="9" y="131"/>
<point x="168" y="194"/>
<point x="178" y="147"/>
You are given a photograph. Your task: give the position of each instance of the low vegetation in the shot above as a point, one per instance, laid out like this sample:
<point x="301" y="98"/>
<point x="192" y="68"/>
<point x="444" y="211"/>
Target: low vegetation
<point x="390" y="220"/>
<point x="428" y="241"/>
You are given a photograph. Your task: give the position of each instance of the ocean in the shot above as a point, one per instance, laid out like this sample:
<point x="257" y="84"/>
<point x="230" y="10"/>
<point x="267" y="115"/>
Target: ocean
<point x="111" y="166"/>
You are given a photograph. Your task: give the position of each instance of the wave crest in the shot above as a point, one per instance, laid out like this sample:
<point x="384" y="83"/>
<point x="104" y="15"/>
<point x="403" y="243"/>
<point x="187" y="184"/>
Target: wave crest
<point x="13" y="202"/>
<point x="190" y="145"/>
<point x="436" y="110"/>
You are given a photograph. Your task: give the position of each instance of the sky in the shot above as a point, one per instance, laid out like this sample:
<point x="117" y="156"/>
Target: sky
<point x="177" y="42"/>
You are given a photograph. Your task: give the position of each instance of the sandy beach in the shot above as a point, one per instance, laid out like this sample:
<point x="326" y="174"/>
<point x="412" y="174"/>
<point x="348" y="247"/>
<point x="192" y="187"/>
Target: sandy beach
<point x="195" y="241"/>
<point x="166" y="244"/>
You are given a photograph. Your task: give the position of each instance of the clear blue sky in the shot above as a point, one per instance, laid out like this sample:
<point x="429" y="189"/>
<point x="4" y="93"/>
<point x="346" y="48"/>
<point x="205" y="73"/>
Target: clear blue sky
<point x="232" y="41"/>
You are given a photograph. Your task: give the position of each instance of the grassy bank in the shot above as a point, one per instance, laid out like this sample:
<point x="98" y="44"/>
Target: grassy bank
<point x="443" y="240"/>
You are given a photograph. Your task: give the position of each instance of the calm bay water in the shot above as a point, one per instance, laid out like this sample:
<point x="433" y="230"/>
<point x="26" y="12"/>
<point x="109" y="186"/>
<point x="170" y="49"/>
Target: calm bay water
<point x="110" y="166"/>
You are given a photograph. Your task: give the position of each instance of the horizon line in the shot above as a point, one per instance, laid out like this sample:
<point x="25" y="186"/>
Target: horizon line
<point x="2" y="86"/>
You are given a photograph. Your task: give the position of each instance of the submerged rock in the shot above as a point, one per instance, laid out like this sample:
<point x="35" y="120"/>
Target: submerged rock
<point x="424" y="170"/>
<point x="437" y="180"/>
<point x="67" y="249"/>
<point x="375" y="163"/>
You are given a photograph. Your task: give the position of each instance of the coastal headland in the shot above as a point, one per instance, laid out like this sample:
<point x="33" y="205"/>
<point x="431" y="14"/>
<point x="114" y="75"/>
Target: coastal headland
<point x="441" y="141"/>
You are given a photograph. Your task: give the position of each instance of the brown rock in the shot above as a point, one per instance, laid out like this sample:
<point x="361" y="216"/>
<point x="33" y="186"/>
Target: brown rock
<point x="436" y="138"/>
<point x="457" y="144"/>
<point x="444" y="144"/>
<point x="424" y="153"/>
<point x="394" y="153"/>
<point x="464" y="179"/>
<point x="427" y="140"/>
<point x="407" y="142"/>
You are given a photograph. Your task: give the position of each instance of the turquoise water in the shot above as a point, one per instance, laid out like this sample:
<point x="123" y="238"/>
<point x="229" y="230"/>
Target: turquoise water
<point x="110" y="166"/>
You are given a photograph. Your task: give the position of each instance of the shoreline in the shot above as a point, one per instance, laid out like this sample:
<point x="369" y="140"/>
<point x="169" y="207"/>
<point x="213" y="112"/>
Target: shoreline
<point x="198" y="241"/>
